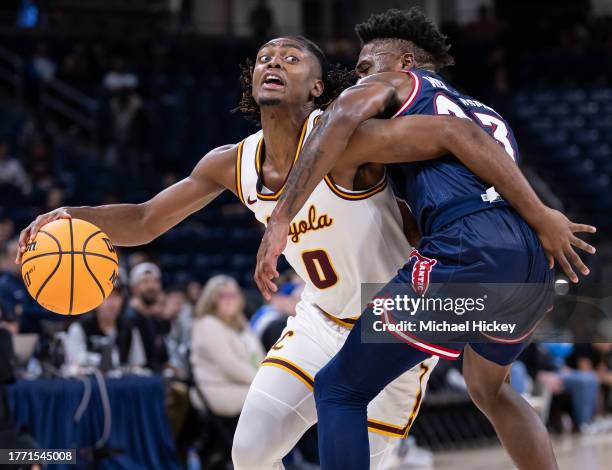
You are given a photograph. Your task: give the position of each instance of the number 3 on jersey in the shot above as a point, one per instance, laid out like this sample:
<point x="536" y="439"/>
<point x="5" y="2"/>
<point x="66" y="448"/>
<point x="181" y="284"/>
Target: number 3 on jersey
<point x="319" y="268"/>
<point x="444" y="105"/>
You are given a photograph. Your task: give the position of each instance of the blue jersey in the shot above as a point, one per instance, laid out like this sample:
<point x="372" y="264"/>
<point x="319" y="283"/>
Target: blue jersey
<point x="426" y="185"/>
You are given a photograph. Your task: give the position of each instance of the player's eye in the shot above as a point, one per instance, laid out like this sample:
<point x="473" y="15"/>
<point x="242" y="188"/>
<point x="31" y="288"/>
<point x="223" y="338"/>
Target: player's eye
<point x="264" y="58"/>
<point x="292" y="59"/>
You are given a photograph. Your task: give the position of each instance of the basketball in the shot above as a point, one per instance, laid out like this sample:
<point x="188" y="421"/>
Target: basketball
<point x="70" y="267"/>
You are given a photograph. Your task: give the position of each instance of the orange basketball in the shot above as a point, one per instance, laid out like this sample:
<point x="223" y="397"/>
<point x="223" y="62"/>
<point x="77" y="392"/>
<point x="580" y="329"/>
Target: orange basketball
<point x="70" y="267"/>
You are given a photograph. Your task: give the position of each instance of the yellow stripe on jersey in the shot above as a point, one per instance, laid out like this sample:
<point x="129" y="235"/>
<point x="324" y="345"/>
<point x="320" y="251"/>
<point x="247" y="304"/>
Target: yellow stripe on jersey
<point x="292" y="368"/>
<point x="388" y="429"/>
<point x="276" y="195"/>
<point x="238" y="171"/>
<point x="356" y="195"/>
<point x="345" y="322"/>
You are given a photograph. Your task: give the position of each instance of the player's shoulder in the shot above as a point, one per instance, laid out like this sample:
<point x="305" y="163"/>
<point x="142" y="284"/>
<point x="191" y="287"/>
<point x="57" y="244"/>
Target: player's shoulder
<point x="220" y="155"/>
<point x="218" y="165"/>
<point x="390" y="79"/>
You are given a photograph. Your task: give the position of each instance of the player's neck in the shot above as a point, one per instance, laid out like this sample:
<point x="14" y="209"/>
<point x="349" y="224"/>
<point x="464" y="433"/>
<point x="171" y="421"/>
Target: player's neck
<point x="281" y="129"/>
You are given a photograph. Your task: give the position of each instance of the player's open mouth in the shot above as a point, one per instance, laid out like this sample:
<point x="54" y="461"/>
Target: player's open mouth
<point x="272" y="81"/>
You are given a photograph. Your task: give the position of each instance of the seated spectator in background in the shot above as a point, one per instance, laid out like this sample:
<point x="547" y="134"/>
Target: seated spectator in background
<point x="97" y="332"/>
<point x="596" y="358"/>
<point x="15" y="297"/>
<point x="225" y="353"/>
<point x="546" y="363"/>
<point x="12" y="172"/>
<point x="270" y="319"/>
<point x="141" y="321"/>
<point x="193" y="290"/>
<point x="178" y="311"/>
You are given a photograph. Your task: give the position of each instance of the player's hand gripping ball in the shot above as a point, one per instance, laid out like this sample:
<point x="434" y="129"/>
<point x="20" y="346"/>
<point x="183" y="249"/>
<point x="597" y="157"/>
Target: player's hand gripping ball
<point x="70" y="267"/>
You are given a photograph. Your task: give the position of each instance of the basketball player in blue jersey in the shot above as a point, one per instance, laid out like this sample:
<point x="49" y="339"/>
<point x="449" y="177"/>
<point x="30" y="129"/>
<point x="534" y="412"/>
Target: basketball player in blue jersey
<point x="469" y="234"/>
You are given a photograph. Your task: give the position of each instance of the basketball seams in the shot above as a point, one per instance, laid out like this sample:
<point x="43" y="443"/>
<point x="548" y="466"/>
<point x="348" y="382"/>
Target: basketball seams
<point x="87" y="264"/>
<point x="99" y="255"/>
<point x="88" y="253"/>
<point x="71" y="267"/>
<point x="93" y="276"/>
<point x="59" y="262"/>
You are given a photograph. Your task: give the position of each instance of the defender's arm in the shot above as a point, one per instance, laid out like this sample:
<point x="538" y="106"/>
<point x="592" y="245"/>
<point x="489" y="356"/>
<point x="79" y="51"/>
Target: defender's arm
<point x="137" y="224"/>
<point x="369" y="98"/>
<point x="416" y="138"/>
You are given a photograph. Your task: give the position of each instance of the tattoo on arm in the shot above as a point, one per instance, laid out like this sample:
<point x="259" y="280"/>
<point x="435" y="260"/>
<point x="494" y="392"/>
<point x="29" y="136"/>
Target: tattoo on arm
<point x="305" y="175"/>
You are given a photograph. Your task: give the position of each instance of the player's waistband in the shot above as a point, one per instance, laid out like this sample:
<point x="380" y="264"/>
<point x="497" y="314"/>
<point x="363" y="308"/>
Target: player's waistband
<point x="345" y="322"/>
<point x="463" y="206"/>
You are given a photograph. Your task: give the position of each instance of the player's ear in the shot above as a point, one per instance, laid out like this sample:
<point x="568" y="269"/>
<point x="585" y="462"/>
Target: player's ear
<point x="317" y="88"/>
<point x="407" y="60"/>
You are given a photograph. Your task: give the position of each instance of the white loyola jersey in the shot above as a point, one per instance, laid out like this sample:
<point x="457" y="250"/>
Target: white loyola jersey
<point x="339" y="239"/>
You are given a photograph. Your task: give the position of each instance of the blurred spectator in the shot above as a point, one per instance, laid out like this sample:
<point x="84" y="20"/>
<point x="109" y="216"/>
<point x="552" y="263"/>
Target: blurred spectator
<point x="262" y="20"/>
<point x="125" y="107"/>
<point x="270" y="319"/>
<point x="597" y="358"/>
<point x="194" y="290"/>
<point x="12" y="172"/>
<point x="97" y="332"/>
<point x="178" y="311"/>
<point x="54" y="199"/>
<point x="546" y="363"/>
<point x="7" y="228"/>
<point x="9" y="434"/>
<point x="225" y="353"/>
<point x="118" y="78"/>
<point x="42" y="65"/>
<point x="40" y="166"/>
<point x="141" y="320"/>
<point x="13" y="294"/>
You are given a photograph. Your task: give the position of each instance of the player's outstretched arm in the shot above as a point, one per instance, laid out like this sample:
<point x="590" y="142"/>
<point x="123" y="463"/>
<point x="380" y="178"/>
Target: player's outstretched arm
<point x="137" y="224"/>
<point x="416" y="138"/>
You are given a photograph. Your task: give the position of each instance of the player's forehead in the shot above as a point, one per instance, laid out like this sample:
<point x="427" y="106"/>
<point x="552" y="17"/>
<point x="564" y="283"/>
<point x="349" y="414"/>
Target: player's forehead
<point x="284" y="43"/>
<point x="376" y="49"/>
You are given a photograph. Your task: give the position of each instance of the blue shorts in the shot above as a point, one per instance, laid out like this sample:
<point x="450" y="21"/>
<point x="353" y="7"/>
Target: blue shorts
<point x="491" y="249"/>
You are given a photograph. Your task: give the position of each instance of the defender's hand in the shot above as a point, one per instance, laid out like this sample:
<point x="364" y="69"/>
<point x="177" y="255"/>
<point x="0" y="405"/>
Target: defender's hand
<point x="30" y="232"/>
<point x="556" y="232"/>
<point x="272" y="245"/>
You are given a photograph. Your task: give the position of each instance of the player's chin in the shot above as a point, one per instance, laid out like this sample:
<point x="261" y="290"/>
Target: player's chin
<point x="270" y="100"/>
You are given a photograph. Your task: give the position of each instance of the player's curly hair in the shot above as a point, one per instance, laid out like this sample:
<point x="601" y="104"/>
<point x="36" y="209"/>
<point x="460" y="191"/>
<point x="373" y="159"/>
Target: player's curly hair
<point x="429" y="44"/>
<point x="335" y="80"/>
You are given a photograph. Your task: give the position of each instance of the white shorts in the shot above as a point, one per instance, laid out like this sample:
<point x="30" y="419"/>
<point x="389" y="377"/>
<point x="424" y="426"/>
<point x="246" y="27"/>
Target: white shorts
<point x="311" y="338"/>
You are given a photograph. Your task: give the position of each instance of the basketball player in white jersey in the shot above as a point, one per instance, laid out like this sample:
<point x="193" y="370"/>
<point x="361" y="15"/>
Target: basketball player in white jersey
<point x="344" y="236"/>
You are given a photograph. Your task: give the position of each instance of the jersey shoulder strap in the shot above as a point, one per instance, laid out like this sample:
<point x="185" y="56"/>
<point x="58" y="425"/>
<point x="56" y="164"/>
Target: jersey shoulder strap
<point x="249" y="150"/>
<point x="246" y="171"/>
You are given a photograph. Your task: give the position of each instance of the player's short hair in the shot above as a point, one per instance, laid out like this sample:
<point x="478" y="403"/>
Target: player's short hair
<point x="428" y="44"/>
<point x="335" y="80"/>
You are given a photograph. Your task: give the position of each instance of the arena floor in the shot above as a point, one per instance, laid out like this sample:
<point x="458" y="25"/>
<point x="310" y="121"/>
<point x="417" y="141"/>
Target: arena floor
<point x="573" y="453"/>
